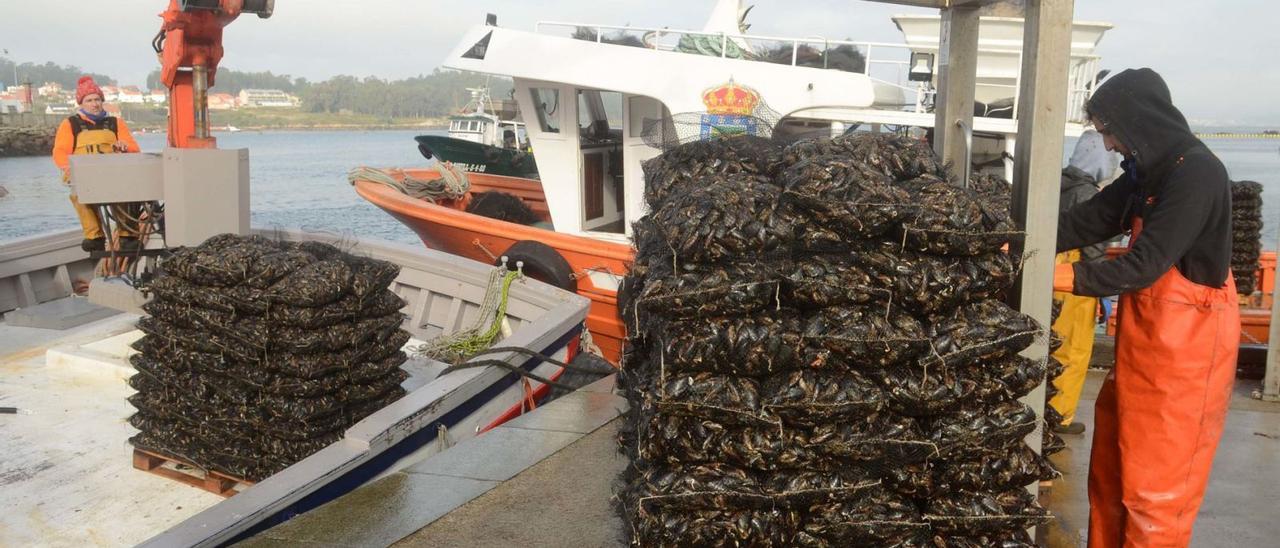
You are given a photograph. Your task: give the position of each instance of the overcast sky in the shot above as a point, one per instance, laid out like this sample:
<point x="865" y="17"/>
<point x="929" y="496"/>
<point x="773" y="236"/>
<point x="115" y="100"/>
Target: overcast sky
<point x="1218" y="57"/>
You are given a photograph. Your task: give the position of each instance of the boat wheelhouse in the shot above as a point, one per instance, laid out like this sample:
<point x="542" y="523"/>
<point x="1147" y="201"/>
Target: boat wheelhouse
<point x="486" y="137"/>
<point x="631" y="90"/>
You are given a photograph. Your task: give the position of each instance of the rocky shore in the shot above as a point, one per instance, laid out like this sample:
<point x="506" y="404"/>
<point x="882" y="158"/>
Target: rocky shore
<point x="25" y="141"/>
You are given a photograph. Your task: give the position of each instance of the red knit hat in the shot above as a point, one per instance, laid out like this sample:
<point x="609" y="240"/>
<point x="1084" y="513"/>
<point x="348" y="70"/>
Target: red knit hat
<point x="86" y="86"/>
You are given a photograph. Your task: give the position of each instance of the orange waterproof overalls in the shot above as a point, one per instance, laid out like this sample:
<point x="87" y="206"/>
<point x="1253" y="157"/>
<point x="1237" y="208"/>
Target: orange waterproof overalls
<point x="1161" y="410"/>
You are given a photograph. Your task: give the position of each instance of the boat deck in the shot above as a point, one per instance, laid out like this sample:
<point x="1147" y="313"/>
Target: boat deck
<point x="67" y="469"/>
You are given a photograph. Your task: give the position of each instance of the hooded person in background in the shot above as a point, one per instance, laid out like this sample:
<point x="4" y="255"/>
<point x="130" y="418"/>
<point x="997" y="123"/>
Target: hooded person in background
<point x="1160" y="413"/>
<point x="91" y="131"/>
<point x="1091" y="164"/>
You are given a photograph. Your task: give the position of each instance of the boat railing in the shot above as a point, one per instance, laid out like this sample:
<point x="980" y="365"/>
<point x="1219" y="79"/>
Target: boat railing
<point x="41" y="268"/>
<point x="884" y="62"/>
<point x="808" y="51"/>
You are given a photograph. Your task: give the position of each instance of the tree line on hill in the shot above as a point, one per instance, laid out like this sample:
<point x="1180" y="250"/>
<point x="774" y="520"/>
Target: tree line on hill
<point x="65" y="75"/>
<point x="439" y="93"/>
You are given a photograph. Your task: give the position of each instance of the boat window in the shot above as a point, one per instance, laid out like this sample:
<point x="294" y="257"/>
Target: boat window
<point x="645" y="112"/>
<point x="546" y="102"/>
<point x="600" y="114"/>
<point x="454" y="126"/>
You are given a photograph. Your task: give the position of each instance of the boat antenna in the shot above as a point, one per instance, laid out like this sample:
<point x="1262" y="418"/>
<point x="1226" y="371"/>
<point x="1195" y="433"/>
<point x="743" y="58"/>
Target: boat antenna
<point x="487" y="96"/>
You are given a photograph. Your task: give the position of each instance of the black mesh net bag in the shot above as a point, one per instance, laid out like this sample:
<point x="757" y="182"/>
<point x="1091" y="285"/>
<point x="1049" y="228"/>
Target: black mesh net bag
<point x="684" y="167"/>
<point x="896" y="156"/>
<point x="844" y="196"/>
<point x="951" y="220"/>
<point x="735" y="219"/>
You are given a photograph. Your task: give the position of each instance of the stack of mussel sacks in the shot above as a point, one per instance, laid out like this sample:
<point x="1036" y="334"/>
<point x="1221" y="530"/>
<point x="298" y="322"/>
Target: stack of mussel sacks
<point x="1050" y="441"/>
<point x="1246" y="234"/>
<point x="258" y="353"/>
<point x="818" y="355"/>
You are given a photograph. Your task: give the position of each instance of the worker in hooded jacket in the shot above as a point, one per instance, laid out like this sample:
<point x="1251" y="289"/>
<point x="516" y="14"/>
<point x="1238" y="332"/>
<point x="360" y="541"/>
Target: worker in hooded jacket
<point x="92" y="131"/>
<point x="1160" y="412"/>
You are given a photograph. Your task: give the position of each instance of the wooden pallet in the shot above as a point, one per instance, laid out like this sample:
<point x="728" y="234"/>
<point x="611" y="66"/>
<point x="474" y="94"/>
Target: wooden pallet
<point x="182" y="471"/>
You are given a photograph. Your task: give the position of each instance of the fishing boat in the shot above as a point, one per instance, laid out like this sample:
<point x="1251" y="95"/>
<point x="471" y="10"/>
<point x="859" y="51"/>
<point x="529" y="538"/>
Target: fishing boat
<point x="483" y="139"/>
<point x="595" y="121"/>
<point x="67" y="466"/>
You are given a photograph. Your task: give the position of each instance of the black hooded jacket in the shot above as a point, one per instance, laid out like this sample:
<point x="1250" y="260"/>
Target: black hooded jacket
<point x="1178" y="187"/>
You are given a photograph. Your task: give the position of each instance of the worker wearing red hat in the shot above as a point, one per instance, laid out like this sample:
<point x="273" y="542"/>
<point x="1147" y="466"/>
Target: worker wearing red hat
<point x="91" y="131"/>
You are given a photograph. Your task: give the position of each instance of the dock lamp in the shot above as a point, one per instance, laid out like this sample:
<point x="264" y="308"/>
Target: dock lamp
<point x="921" y="67"/>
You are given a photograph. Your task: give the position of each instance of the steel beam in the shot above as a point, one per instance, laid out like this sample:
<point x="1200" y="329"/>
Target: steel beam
<point x="957" y="78"/>
<point x="1271" y="381"/>
<point x="1037" y="164"/>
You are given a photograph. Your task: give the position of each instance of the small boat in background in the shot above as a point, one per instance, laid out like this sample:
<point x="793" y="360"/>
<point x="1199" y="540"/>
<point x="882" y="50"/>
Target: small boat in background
<point x="483" y="139"/>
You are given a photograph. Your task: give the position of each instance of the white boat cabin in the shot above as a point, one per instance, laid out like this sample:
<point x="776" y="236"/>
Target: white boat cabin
<point x="590" y="92"/>
<point x="487" y="130"/>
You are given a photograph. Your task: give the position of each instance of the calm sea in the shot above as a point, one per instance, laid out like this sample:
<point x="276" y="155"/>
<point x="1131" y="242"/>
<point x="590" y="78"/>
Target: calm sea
<point x="298" y="179"/>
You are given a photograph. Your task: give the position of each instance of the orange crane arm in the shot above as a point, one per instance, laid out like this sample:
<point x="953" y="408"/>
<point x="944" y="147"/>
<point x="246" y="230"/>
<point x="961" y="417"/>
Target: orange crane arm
<point x="190" y="47"/>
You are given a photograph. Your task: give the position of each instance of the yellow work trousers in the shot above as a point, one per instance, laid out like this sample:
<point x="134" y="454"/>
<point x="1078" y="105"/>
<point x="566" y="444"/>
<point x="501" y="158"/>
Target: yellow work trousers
<point x="1076" y="327"/>
<point x="91" y="225"/>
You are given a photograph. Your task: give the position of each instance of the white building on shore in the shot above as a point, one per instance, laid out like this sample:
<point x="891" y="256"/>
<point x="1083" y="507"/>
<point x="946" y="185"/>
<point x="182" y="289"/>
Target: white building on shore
<point x="265" y="98"/>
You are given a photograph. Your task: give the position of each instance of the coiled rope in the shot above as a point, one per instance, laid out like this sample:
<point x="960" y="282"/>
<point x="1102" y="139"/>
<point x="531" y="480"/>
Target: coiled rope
<point x="483" y="331"/>
<point x="451" y="185"/>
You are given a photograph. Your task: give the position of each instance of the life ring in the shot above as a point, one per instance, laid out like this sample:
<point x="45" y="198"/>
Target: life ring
<point x="542" y="263"/>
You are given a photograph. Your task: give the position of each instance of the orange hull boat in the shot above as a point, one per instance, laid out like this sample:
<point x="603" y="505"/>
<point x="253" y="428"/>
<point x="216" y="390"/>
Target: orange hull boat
<point x="446" y="226"/>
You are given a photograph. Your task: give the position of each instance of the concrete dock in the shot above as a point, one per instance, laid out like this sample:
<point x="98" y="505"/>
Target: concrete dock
<point x="1241" y="505"/>
<point x="565" y="498"/>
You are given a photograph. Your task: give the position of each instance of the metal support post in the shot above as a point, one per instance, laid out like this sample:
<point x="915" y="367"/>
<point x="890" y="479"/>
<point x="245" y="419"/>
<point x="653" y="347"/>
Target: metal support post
<point x="200" y="104"/>
<point x="957" y="78"/>
<point x="1037" y="164"/>
<point x="1271" y="381"/>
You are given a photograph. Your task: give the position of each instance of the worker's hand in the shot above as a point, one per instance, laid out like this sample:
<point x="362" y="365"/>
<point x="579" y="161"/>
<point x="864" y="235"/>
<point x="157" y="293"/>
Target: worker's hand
<point x="66" y="175"/>
<point x="1064" y="277"/>
<point x="120" y="146"/>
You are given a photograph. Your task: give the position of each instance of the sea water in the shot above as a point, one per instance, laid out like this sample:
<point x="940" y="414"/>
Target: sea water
<point x="298" y="180"/>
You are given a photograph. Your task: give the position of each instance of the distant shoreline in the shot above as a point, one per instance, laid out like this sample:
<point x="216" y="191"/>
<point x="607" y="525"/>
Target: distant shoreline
<point x="1235" y="135"/>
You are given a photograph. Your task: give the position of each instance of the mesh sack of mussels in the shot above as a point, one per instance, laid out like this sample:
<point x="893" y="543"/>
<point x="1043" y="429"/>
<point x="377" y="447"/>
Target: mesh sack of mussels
<point x="257" y="353"/>
<point x="818" y="352"/>
<point x="1246" y="234"/>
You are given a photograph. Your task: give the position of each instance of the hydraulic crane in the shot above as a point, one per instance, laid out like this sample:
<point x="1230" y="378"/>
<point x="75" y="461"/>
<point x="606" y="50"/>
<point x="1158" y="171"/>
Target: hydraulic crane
<point x="204" y="190"/>
<point x="189" y="45"/>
